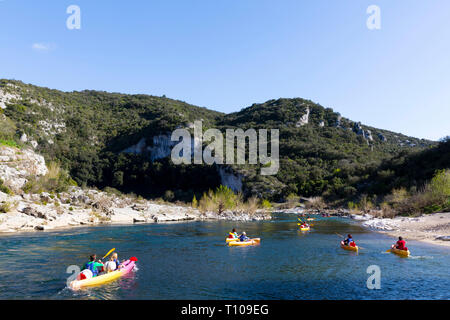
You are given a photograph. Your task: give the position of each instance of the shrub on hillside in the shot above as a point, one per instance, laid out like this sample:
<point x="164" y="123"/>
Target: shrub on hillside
<point x="6" y="207"/>
<point x="315" y="203"/>
<point x="194" y="202"/>
<point x="265" y="204"/>
<point x="440" y="187"/>
<point x="4" y="188"/>
<point x="169" y="196"/>
<point x="433" y="197"/>
<point x="223" y="198"/>
<point x="366" y="203"/>
<point x="56" y="180"/>
<point x="9" y="143"/>
<point x="292" y="200"/>
<point x="250" y="206"/>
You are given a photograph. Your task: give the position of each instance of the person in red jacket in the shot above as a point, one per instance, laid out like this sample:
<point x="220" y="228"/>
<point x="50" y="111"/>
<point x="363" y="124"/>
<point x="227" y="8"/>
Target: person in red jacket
<point x="400" y="245"/>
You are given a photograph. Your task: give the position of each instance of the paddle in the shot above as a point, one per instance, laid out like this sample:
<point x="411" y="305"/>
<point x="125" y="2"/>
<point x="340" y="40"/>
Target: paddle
<point x="108" y="253"/>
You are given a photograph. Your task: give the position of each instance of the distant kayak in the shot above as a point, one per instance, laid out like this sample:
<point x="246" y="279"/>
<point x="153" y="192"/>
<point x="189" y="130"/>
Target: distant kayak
<point x="349" y="248"/>
<point x="403" y="253"/>
<point x="250" y="242"/>
<point x="127" y="266"/>
<point x="305" y="229"/>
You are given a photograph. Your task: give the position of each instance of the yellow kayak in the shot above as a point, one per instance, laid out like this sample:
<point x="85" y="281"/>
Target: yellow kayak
<point x="250" y="242"/>
<point x="349" y="248"/>
<point x="125" y="268"/>
<point x="305" y="229"/>
<point x="403" y="253"/>
<point x="310" y="219"/>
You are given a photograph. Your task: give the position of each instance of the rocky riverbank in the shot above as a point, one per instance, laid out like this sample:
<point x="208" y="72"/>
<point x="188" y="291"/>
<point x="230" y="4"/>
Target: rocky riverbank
<point x="431" y="228"/>
<point x="78" y="207"/>
<point x="22" y="211"/>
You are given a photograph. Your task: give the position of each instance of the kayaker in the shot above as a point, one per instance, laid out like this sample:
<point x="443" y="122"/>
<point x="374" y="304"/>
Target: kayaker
<point x="115" y="258"/>
<point x="233" y="234"/>
<point x="113" y="263"/>
<point x="400" y="245"/>
<point x="94" y="266"/>
<point x="244" y="237"/>
<point x="349" y="241"/>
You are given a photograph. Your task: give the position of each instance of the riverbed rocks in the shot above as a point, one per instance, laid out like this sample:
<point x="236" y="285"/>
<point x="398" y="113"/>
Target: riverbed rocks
<point x="80" y="207"/>
<point x="258" y="215"/>
<point x="22" y="211"/>
<point x="34" y="213"/>
<point x="443" y="238"/>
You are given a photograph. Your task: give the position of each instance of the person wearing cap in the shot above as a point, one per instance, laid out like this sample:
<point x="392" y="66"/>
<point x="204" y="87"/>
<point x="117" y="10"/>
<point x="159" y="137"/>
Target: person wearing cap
<point x="244" y="237"/>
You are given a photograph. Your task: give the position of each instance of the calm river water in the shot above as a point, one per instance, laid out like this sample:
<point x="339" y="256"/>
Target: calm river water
<point x="191" y="261"/>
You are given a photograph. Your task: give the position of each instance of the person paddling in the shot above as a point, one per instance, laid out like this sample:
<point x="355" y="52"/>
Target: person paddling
<point x="233" y="234"/>
<point x="303" y="224"/>
<point x="400" y="245"/>
<point x="113" y="263"/>
<point x="94" y="266"/>
<point x="349" y="241"/>
<point x="244" y="237"/>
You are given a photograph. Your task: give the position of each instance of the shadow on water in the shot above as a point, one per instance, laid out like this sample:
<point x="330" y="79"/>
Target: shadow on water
<point x="191" y="261"/>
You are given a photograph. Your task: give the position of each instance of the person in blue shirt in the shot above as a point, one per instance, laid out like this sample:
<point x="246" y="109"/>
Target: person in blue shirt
<point x="243" y="237"/>
<point x="348" y="240"/>
<point x="94" y="266"/>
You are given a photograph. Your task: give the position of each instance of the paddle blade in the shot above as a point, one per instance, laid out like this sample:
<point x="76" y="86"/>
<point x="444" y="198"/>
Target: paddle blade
<point x="133" y="259"/>
<point x="109" y="253"/>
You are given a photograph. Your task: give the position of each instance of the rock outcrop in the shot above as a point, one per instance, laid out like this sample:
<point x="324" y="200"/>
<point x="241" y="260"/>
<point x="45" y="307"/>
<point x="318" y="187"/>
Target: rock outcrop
<point x="304" y="120"/>
<point x="160" y="148"/>
<point x="16" y="166"/>
<point x="230" y="179"/>
<point x="382" y="137"/>
<point x="6" y="97"/>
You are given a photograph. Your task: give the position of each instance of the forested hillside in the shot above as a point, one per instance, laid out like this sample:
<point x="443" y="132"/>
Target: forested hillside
<point x="121" y="141"/>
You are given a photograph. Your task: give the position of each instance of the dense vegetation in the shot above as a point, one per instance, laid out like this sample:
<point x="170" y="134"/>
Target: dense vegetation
<point x="330" y="156"/>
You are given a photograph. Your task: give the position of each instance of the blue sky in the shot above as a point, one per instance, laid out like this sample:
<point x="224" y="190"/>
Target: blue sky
<point x="226" y="55"/>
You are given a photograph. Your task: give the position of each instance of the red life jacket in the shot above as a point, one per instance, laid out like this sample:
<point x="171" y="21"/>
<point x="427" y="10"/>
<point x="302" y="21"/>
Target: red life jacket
<point x="401" y="245"/>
